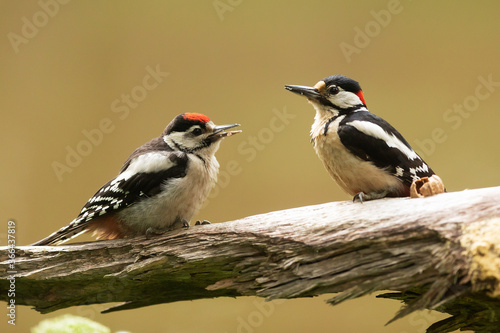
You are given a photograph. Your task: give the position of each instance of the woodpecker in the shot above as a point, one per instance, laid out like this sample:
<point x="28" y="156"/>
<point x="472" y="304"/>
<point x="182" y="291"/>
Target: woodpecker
<point x="362" y="152"/>
<point x="160" y="187"/>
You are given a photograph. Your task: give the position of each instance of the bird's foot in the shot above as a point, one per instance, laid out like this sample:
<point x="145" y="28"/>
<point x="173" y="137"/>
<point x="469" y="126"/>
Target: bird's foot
<point x="358" y="197"/>
<point x="204" y="222"/>
<point x="150" y="232"/>
<point x="178" y="224"/>
<point x="362" y="196"/>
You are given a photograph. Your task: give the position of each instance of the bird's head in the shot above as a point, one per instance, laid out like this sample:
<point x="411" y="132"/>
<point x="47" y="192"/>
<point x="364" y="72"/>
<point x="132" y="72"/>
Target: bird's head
<point x="335" y="94"/>
<point x="195" y="132"/>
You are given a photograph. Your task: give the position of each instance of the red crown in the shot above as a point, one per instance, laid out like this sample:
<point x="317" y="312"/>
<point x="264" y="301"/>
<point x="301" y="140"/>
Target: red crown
<point x="196" y="117"/>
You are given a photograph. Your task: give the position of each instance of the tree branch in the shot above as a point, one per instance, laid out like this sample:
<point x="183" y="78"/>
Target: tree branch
<point x="436" y="252"/>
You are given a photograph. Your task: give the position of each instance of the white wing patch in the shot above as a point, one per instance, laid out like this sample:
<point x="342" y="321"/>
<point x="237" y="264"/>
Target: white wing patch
<point x="399" y="171"/>
<point x="149" y="162"/>
<point x="101" y="203"/>
<point x="378" y="132"/>
<point x="422" y="168"/>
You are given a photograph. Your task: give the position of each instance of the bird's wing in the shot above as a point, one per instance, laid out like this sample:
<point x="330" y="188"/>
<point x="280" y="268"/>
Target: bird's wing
<point x="373" y="139"/>
<point x="135" y="182"/>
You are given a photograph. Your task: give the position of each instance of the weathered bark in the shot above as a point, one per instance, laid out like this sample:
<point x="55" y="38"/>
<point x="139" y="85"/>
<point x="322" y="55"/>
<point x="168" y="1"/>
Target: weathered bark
<point x="437" y="252"/>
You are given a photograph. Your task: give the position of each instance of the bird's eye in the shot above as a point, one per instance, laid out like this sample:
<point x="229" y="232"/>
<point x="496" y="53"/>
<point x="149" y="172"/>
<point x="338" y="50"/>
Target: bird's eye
<point x="197" y="131"/>
<point x="333" y="90"/>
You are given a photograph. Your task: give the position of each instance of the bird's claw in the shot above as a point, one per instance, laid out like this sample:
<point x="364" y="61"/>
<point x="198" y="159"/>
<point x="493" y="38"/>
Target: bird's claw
<point x="178" y="224"/>
<point x="358" y="197"/>
<point x="362" y="196"/>
<point x="153" y="232"/>
<point x="204" y="222"/>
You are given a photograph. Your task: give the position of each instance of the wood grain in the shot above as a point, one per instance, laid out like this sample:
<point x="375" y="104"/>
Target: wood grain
<point x="433" y="252"/>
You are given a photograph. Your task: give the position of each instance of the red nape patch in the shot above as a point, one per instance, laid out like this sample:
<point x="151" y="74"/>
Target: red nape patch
<point x="196" y="117"/>
<point x="361" y="97"/>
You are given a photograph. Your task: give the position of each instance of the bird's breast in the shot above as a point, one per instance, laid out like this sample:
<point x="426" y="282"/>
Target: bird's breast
<point x="349" y="171"/>
<point x="180" y="198"/>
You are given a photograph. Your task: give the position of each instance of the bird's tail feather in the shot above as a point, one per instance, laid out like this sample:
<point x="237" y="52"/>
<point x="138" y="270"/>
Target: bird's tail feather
<point x="62" y="235"/>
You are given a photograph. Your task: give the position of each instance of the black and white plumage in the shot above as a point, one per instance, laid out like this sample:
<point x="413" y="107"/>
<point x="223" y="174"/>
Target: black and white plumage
<point x="160" y="186"/>
<point x="362" y="152"/>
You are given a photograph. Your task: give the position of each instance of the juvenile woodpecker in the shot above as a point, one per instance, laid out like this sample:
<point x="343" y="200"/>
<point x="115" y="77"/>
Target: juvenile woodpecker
<point x="362" y="152"/>
<point x="160" y="187"/>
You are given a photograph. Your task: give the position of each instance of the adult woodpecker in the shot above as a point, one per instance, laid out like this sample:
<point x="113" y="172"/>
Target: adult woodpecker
<point x="160" y="187"/>
<point x="362" y="152"/>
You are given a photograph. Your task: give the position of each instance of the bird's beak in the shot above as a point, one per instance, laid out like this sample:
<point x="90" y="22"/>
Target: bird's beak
<point x="219" y="133"/>
<point x="309" y="92"/>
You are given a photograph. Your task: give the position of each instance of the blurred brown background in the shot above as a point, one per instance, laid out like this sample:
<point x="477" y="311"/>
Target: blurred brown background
<point x="66" y="68"/>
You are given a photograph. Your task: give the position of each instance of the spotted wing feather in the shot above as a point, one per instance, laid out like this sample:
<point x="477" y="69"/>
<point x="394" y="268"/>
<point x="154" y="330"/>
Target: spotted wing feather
<point x="373" y="139"/>
<point x="118" y="194"/>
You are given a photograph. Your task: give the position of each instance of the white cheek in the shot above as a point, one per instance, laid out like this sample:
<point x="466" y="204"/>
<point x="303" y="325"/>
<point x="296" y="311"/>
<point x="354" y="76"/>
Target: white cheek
<point x="187" y="141"/>
<point x="345" y="99"/>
